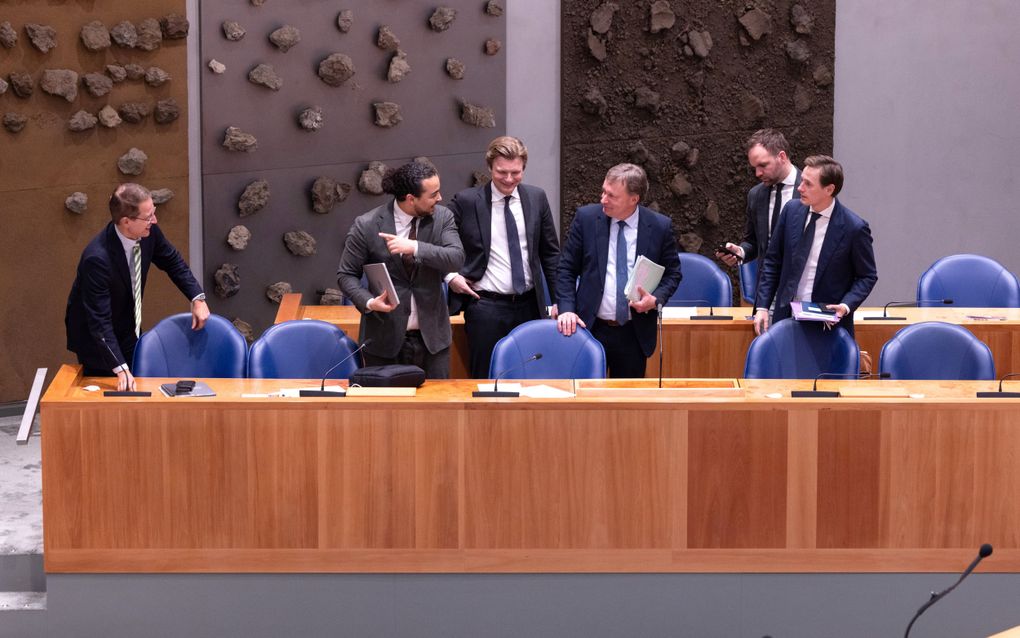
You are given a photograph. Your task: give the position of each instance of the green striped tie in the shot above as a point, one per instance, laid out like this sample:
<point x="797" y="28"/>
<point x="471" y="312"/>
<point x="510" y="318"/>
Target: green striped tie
<point x="136" y="254"/>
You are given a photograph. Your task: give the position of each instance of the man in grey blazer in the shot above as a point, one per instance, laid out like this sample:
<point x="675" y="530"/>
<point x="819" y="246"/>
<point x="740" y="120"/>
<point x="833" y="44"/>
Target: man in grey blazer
<point x="417" y="240"/>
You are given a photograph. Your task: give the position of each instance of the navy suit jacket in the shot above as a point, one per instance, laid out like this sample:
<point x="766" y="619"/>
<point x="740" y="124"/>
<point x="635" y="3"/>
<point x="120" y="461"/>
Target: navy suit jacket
<point x="101" y="306"/>
<point x="586" y="253"/>
<point x="846" y="264"/>
<point x="472" y="209"/>
<point x="756" y="231"/>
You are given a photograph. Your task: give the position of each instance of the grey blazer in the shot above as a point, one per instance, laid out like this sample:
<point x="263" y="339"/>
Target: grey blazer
<point x="439" y="252"/>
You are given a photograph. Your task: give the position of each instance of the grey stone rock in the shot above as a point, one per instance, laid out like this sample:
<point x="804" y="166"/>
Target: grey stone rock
<point x="387" y="114"/>
<point x="802" y="98"/>
<point x="299" y="243"/>
<point x="688" y="51"/>
<point x="77" y="203"/>
<point x="647" y="99"/>
<point x="494" y="8"/>
<point x="756" y="23"/>
<point x="679" y="151"/>
<point x="116" y="72"/>
<point x="124" y="35"/>
<point x="134" y="112"/>
<point x="275" y="292"/>
<point x="150" y="35"/>
<point x="802" y="21"/>
<point x="442" y="18"/>
<point x="42" y="36"/>
<point x="8" y="36"/>
<point x="14" y="122"/>
<point x="479" y="116"/>
<point x="109" y="117"/>
<point x="155" y="76"/>
<point x="700" y="43"/>
<point x="97" y="84"/>
<point x="692" y="157"/>
<point x="245" y="329"/>
<point x="233" y="31"/>
<point x="597" y="47"/>
<point x="258" y="3"/>
<point x="265" y="75"/>
<point x="228" y="281"/>
<point x="638" y="153"/>
<point x="60" y="82"/>
<point x="822" y="75"/>
<point x="691" y="242"/>
<point x="134" y="71"/>
<point x="602" y="18"/>
<point x="22" y="84"/>
<point x="254" y="198"/>
<point x="217" y="67"/>
<point x="478" y="178"/>
<point x="752" y="109"/>
<point x="680" y="185"/>
<point x="594" y="103"/>
<point x="234" y="139"/>
<point x="455" y="68"/>
<point x="798" y="51"/>
<point x="174" y="26"/>
<point x="399" y="68"/>
<point x="345" y="20"/>
<point x="662" y="17"/>
<point x="285" y="38"/>
<point x="327" y="193"/>
<point x="492" y="46"/>
<point x="386" y="39"/>
<point x="370" y="181"/>
<point x="82" y="121"/>
<point x="712" y="212"/>
<point x="238" y="237"/>
<point x="161" y="196"/>
<point x="331" y="297"/>
<point x="311" y="119"/>
<point x="132" y="162"/>
<point x="167" y="111"/>
<point x="336" y="69"/>
<point x="95" y="36"/>
<point x="3" y="86"/>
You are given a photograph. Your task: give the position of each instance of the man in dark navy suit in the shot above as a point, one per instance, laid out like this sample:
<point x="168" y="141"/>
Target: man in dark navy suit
<point x="821" y="251"/>
<point x="511" y="251"/>
<point x="600" y="262"/>
<point x="104" y="309"/>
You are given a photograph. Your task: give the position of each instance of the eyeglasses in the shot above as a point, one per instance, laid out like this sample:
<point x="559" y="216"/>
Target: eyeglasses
<point x="147" y="220"/>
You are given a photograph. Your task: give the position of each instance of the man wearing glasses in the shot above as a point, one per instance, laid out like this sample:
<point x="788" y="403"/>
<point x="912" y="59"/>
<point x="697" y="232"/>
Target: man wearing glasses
<point x="104" y="310"/>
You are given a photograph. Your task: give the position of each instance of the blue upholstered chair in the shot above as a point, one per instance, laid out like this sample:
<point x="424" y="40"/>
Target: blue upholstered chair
<point x="702" y="279"/>
<point x="579" y="356"/>
<point x="173" y="349"/>
<point x="748" y="276"/>
<point x="971" y="281"/>
<point x="302" y="349"/>
<point x="936" y="350"/>
<point x="793" y="349"/>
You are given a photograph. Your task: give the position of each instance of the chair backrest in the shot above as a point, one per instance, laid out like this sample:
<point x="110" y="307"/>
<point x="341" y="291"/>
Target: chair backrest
<point x="702" y="279"/>
<point x="971" y="281"/>
<point x="793" y="349"/>
<point x="748" y="275"/>
<point x="302" y="349"/>
<point x="579" y="356"/>
<point x="936" y="350"/>
<point x="173" y="349"/>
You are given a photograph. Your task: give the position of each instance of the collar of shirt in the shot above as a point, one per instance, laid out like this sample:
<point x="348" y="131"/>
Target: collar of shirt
<point x="791" y="177"/>
<point x="401" y="219"/>
<point x="497" y="197"/>
<point x="127" y="243"/>
<point x="827" y="211"/>
<point x="632" y="221"/>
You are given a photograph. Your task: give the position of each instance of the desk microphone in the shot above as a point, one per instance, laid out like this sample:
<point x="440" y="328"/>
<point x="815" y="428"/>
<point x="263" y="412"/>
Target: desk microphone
<point x="658" y="309"/>
<point x="322" y="391"/>
<point x="831" y="394"/>
<point x="904" y="304"/>
<point x="121" y="393"/>
<point x="1000" y="394"/>
<point x="711" y="316"/>
<point x="984" y="552"/>
<point x="495" y="392"/>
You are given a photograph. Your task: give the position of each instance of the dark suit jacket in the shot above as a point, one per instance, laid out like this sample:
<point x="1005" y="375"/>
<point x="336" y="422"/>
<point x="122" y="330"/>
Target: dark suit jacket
<point x="586" y="253"/>
<point x="472" y="209"/>
<point x="439" y="253"/>
<point x="846" y="264"/>
<point x="756" y="231"/>
<point x="101" y="305"/>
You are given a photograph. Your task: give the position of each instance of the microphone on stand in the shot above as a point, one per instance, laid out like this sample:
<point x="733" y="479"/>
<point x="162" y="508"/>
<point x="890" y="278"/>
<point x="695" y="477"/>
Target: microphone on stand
<point x="984" y="552"/>
<point x="814" y="392"/>
<point x="711" y="316"/>
<point x="495" y="392"/>
<point x="322" y="391"/>
<point x="904" y="304"/>
<point x="1000" y="394"/>
<point x="120" y="393"/>
<point x="658" y="308"/>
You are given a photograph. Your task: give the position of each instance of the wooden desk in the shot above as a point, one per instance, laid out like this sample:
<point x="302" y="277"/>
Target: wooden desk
<point x="703" y="349"/>
<point x="446" y="483"/>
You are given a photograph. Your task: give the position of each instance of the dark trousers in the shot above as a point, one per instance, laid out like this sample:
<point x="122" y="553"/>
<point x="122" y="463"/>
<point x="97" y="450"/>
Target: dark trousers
<point x="413" y="352"/>
<point x="624" y="356"/>
<point x="489" y="319"/>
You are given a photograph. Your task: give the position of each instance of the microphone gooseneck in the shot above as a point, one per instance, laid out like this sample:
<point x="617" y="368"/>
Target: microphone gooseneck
<point x="984" y="552"/>
<point x="495" y="382"/>
<point x="910" y="304"/>
<point x="322" y="386"/>
<point x="658" y="309"/>
<point x="840" y="375"/>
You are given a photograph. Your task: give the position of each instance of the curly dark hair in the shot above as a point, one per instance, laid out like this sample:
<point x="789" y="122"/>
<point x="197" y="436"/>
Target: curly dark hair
<point x="406" y="180"/>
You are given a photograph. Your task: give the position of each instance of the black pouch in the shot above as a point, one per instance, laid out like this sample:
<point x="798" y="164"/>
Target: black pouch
<point x="391" y="376"/>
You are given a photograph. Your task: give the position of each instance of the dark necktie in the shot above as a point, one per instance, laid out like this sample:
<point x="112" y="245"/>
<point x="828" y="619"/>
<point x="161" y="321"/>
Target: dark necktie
<point x="622" y="308"/>
<point x="803" y="250"/>
<point x="407" y="258"/>
<point x="776" y="208"/>
<point x="513" y="245"/>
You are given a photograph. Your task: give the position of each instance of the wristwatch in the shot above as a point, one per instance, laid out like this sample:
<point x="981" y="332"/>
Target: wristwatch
<point x="199" y="297"/>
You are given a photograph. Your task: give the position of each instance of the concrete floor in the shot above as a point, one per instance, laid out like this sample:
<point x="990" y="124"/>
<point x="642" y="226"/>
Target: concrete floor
<point x="20" y="491"/>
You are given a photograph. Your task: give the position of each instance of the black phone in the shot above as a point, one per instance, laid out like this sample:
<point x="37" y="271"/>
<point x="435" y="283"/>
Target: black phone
<point x="721" y="248"/>
<point x="185" y="386"/>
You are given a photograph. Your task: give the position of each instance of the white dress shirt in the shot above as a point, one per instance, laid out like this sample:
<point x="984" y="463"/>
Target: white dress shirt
<point x="129" y="247"/>
<point x="607" y="309"/>
<point x="807" y="278"/>
<point x="402" y="221"/>
<point x="498" y="276"/>
<point x="786" y="194"/>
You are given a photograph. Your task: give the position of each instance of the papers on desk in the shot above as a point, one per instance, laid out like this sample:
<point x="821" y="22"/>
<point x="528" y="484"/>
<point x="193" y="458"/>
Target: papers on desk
<point x="290" y="393"/>
<point x="646" y="274"/>
<point x="986" y="317"/>
<point x="540" y="391"/>
<point x="862" y="314"/>
<point x="679" y="312"/>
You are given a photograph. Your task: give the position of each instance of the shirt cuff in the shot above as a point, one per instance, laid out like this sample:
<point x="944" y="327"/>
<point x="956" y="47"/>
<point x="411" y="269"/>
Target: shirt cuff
<point x="449" y="277"/>
<point x="199" y="297"/>
<point x="123" y="367"/>
<point x="415" y="253"/>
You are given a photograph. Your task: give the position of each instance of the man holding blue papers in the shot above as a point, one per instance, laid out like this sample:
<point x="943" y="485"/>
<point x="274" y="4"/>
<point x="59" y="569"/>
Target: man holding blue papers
<point x="602" y="246"/>
<point x="820" y="252"/>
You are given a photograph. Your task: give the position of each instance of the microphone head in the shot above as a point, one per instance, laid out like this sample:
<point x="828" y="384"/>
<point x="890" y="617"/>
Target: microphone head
<point x="536" y="356"/>
<point x="884" y="375"/>
<point x="947" y="302"/>
<point x="985" y="551"/>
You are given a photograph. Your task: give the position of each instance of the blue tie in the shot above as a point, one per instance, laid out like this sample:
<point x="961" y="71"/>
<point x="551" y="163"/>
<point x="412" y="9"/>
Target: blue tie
<point x="513" y="244"/>
<point x="622" y="308"/>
